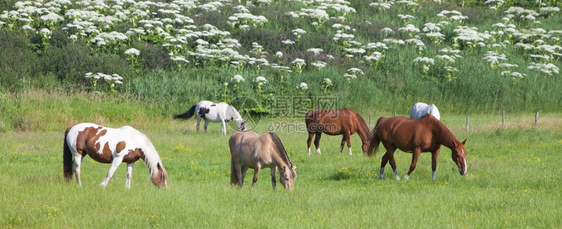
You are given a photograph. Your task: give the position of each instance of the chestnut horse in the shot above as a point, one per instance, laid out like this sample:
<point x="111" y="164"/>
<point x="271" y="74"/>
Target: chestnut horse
<point x="250" y="150"/>
<point x="425" y="134"/>
<point x="336" y="122"/>
<point x="108" y="145"/>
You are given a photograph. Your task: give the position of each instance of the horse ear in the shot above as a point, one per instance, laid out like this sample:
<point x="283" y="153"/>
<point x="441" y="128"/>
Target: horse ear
<point x="464" y="142"/>
<point x="294" y="166"/>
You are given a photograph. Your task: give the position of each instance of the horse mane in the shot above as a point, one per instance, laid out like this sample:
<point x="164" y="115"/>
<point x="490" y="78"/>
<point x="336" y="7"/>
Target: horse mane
<point x="363" y="127"/>
<point x="151" y="157"/>
<point x="280" y="148"/>
<point x="444" y="134"/>
<point x="232" y="112"/>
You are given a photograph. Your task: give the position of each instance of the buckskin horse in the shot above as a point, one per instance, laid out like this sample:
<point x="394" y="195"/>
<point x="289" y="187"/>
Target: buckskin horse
<point x="250" y="150"/>
<point x="108" y="145"/>
<point x="425" y="134"/>
<point x="214" y="112"/>
<point x="336" y="122"/>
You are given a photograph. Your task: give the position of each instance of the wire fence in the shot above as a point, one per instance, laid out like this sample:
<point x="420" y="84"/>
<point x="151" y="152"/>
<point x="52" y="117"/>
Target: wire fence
<point x="479" y="122"/>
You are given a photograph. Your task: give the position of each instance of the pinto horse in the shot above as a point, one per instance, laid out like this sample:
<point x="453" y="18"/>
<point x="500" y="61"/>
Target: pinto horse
<point x="420" y="109"/>
<point x="108" y="145"/>
<point x="214" y="112"/>
<point x="336" y="122"/>
<point x="250" y="150"/>
<point x="425" y="134"/>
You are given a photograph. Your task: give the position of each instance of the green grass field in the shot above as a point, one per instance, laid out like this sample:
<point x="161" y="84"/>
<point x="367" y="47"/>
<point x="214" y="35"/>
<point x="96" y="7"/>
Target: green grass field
<point x="513" y="181"/>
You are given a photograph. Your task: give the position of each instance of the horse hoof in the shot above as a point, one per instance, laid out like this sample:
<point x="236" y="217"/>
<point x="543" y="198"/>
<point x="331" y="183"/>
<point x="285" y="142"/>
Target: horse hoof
<point x="406" y="177"/>
<point x="398" y="178"/>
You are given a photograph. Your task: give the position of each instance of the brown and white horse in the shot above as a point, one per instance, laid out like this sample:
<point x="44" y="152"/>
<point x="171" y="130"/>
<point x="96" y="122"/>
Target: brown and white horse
<point x="336" y="122"/>
<point x="108" y="145"/>
<point x="425" y="134"/>
<point x="250" y="150"/>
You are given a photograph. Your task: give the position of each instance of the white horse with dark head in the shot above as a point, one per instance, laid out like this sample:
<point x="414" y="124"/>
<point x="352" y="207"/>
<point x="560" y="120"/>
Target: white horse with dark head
<point x="214" y="112"/>
<point x="420" y="109"/>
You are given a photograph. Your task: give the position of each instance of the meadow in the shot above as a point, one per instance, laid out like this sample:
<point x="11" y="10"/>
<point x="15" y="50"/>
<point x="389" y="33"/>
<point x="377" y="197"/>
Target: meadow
<point x="512" y="181"/>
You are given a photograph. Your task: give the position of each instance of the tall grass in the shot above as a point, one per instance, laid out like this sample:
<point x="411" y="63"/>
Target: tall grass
<point x="60" y="63"/>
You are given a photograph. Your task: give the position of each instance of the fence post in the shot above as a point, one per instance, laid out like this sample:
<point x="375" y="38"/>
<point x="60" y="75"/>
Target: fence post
<point x="503" y="118"/>
<point x="467" y="122"/>
<point x="395" y="113"/>
<point x="536" y="119"/>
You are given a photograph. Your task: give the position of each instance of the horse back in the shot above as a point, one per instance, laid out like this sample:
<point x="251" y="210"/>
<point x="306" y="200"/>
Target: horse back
<point x="407" y="134"/>
<point x="327" y="121"/>
<point x="251" y="150"/>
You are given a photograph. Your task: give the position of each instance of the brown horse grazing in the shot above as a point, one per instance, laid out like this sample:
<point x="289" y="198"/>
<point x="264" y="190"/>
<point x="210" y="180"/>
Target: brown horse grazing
<point x="336" y="122"/>
<point x="425" y="134"/>
<point x="108" y="145"/>
<point x="250" y="150"/>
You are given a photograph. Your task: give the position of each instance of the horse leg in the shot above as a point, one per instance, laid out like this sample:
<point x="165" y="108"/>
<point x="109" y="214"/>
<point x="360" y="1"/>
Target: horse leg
<point x="223" y="130"/>
<point x="317" y="142"/>
<point x="415" y="155"/>
<point x="198" y="123"/>
<point x="255" y="179"/>
<point x="434" y="162"/>
<point x="309" y="141"/>
<point x="206" y="125"/>
<point x="76" y="167"/>
<point x="393" y="164"/>
<point x="273" y="174"/>
<point x="347" y="137"/>
<point x="388" y="157"/>
<point x="129" y="175"/>
<point x="243" y="170"/>
<point x="241" y="173"/>
<point x="114" y="164"/>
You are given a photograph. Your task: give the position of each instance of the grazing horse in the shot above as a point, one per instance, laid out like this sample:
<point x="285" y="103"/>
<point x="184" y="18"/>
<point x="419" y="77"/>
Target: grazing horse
<point x="420" y="109"/>
<point x="425" y="134"/>
<point x="335" y="122"/>
<point x="214" y="112"/>
<point x="108" y="145"/>
<point x="250" y="150"/>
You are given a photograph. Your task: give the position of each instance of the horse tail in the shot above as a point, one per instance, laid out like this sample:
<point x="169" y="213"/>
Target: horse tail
<point x="375" y="140"/>
<point x="280" y="147"/>
<point x="187" y="114"/>
<point x="67" y="158"/>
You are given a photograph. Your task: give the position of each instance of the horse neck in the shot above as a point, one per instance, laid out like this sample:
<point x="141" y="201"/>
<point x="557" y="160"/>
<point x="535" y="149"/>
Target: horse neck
<point x="232" y="113"/>
<point x="281" y="156"/>
<point x="446" y="138"/>
<point x="151" y="158"/>
<point x="363" y="129"/>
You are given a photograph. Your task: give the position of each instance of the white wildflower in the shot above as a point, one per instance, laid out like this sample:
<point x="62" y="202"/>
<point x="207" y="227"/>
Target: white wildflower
<point x="237" y="78"/>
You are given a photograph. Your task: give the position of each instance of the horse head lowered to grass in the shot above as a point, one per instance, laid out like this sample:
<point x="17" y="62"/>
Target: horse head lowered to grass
<point x="108" y="145"/>
<point x="425" y="134"/>
<point x="250" y="150"/>
<point x="214" y="112"/>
